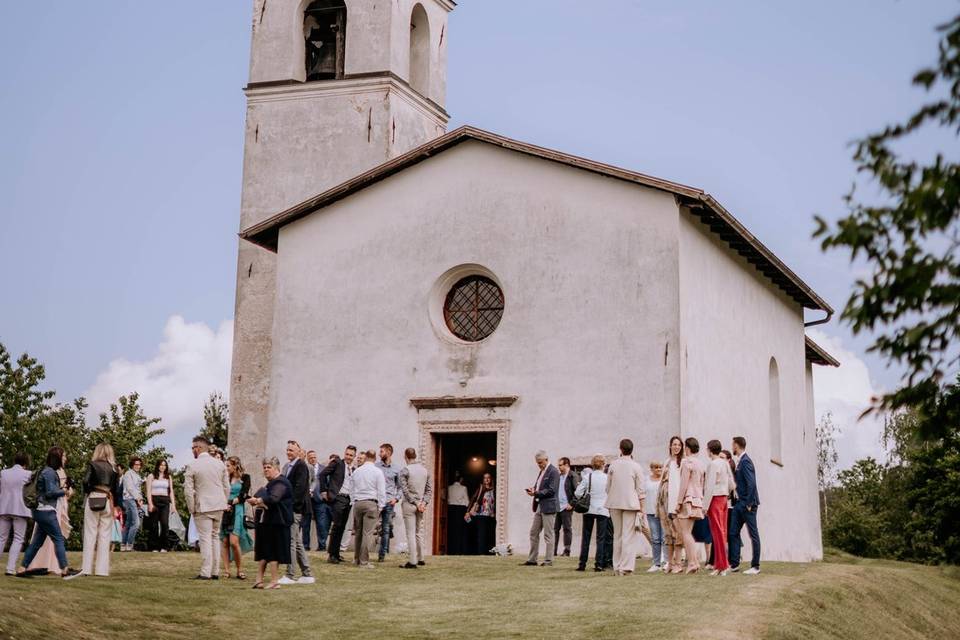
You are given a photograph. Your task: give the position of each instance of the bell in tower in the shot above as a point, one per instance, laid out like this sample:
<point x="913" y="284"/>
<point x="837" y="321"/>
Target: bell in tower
<point x="324" y="29"/>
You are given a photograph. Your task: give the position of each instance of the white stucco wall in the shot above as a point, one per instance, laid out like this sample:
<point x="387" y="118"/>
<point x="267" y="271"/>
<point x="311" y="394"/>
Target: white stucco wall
<point x="732" y="321"/>
<point x="588" y="268"/>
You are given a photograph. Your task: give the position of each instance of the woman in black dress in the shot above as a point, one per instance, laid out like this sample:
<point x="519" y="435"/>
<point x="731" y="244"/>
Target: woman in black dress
<point x="274" y="504"/>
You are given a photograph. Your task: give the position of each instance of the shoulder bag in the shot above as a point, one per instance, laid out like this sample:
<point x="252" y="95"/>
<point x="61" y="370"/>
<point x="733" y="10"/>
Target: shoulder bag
<point x="582" y="504"/>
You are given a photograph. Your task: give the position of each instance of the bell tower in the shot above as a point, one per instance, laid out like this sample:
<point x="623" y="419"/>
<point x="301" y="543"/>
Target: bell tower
<point x="336" y="87"/>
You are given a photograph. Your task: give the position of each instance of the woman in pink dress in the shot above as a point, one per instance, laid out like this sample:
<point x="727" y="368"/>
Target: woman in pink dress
<point x="690" y="502"/>
<point x="46" y="558"/>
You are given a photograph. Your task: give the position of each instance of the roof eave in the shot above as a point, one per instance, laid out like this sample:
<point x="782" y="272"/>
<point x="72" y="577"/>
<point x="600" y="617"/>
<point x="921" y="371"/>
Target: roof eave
<point x="818" y="355"/>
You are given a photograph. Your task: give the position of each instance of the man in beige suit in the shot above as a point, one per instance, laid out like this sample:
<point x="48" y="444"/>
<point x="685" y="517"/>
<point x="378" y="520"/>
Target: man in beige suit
<point x="625" y="494"/>
<point x="206" y="488"/>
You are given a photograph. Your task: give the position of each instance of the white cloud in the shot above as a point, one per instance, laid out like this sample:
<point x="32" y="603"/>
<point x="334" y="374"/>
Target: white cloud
<point x="846" y="391"/>
<point x="191" y="361"/>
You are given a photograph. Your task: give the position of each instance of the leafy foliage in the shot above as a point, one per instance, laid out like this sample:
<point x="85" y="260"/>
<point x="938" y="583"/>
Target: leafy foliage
<point x="216" y="420"/>
<point x="911" y="299"/>
<point x="30" y="423"/>
<point x="908" y="509"/>
<point x="129" y="431"/>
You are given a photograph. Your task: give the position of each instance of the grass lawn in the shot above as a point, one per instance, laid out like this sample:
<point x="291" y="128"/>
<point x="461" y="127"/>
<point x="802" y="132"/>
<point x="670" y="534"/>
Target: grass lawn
<point x="152" y="596"/>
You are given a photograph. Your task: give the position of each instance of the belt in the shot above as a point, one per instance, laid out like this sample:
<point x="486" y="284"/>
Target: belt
<point x="368" y="500"/>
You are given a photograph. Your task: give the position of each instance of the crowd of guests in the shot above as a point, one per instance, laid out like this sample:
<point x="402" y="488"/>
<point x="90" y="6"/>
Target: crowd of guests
<point x="676" y="505"/>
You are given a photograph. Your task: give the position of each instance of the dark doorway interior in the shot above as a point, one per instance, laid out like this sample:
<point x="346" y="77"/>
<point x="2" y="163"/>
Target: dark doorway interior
<point x="471" y="455"/>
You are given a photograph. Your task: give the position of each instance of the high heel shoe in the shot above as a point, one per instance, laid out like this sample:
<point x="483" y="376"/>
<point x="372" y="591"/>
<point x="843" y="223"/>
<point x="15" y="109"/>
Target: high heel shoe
<point x="692" y="570"/>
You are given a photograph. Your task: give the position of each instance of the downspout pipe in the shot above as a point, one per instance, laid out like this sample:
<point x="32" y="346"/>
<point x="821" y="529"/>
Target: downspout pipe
<point x="824" y="320"/>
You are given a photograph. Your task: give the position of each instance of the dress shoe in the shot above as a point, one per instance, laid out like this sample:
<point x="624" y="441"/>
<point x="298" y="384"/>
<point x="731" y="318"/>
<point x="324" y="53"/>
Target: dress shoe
<point x="334" y="560"/>
<point x="528" y="564"/>
<point x="421" y="563"/>
<point x="581" y="568"/>
<point x="408" y="565"/>
<point x="199" y="577"/>
<point x="546" y="564"/>
<point x="599" y="569"/>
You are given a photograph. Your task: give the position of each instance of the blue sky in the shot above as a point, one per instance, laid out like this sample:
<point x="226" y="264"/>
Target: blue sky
<point x="122" y="130"/>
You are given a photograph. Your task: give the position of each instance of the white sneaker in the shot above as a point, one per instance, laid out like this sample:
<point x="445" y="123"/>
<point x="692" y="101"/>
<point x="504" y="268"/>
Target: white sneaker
<point x="654" y="569"/>
<point x="306" y="580"/>
<point x="752" y="571"/>
<point x="286" y="580"/>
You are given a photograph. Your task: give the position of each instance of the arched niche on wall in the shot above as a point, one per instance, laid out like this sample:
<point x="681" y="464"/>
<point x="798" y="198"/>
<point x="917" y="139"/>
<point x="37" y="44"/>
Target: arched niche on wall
<point x="776" y="427"/>
<point x="419" y="76"/>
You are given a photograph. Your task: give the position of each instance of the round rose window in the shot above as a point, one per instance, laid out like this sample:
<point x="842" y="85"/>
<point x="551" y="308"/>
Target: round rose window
<point x="473" y="308"/>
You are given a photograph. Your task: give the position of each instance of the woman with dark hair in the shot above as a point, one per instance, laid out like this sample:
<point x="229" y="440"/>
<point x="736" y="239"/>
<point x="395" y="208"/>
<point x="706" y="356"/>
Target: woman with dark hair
<point x="46" y="559"/>
<point x="161" y="500"/>
<point x="274" y="504"/>
<point x="46" y="524"/>
<point x="689" y="506"/>
<point x="483" y="513"/>
<point x="132" y="503"/>
<point x="234" y="539"/>
<point x="718" y="485"/>
<point x="667" y="496"/>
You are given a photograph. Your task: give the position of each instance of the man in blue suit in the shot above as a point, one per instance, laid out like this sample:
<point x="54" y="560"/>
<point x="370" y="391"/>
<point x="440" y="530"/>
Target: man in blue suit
<point x="545" y="507"/>
<point x="745" y="509"/>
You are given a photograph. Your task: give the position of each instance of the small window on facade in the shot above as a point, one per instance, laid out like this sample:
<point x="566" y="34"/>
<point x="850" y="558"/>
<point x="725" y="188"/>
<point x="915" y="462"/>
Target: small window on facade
<point x="324" y="33"/>
<point x="776" y="434"/>
<point x="473" y="308"/>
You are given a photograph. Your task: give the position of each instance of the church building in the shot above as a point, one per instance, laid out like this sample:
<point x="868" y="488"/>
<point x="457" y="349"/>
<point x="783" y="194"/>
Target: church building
<point x="480" y="298"/>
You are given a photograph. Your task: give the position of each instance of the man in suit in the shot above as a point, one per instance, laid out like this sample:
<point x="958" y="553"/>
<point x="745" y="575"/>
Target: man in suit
<point x="745" y="509"/>
<point x="298" y="473"/>
<point x="320" y="509"/>
<point x="13" y="513"/>
<point x="545" y="507"/>
<point x="625" y="496"/>
<point x="206" y="487"/>
<point x="568" y="484"/>
<point x="415" y="491"/>
<point x="334" y="485"/>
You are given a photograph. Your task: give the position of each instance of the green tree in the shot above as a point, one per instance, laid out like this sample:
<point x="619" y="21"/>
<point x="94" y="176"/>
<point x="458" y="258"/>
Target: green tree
<point x="28" y="420"/>
<point x="129" y="431"/>
<point x="216" y="420"/>
<point x="910" y="240"/>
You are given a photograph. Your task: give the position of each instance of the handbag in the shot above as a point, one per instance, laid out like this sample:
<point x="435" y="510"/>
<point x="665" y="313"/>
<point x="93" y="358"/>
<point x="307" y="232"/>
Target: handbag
<point x="97" y="502"/>
<point x="582" y="504"/>
<point x="249" y="516"/>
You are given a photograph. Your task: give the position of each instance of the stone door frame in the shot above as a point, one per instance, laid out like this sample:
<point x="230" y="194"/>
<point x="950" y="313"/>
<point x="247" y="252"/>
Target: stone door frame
<point x="428" y="453"/>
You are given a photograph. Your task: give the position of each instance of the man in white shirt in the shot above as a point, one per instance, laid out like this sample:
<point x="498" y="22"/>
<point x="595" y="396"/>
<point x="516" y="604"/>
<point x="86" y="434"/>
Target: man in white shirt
<point x="457" y="502"/>
<point x="206" y="488"/>
<point x="369" y="494"/>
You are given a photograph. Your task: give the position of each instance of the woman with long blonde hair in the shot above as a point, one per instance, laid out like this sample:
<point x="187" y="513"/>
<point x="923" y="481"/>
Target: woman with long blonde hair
<point x="102" y="486"/>
<point x="235" y="541"/>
